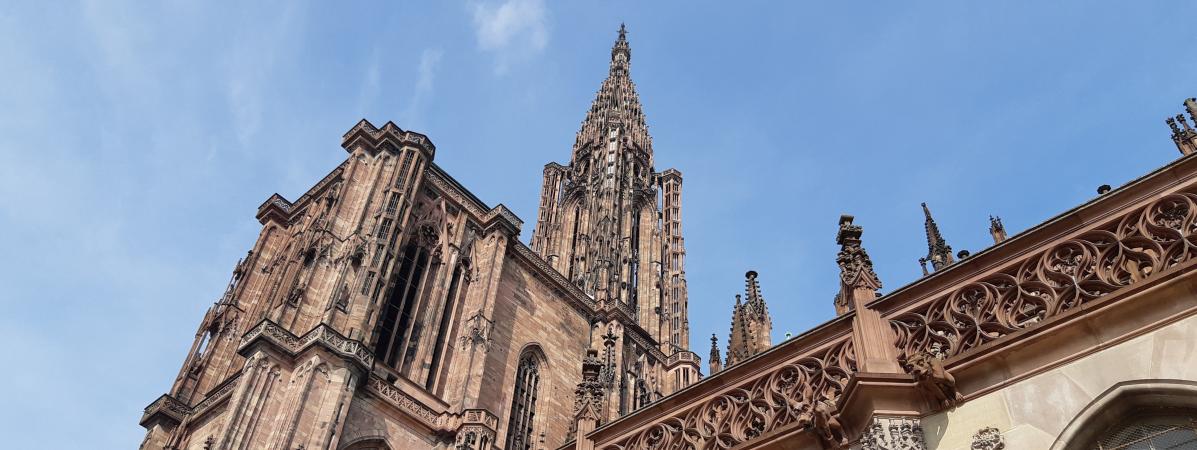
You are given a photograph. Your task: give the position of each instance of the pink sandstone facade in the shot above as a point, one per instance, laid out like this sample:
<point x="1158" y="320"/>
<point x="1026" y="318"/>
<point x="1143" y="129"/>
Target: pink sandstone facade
<point x="389" y="308"/>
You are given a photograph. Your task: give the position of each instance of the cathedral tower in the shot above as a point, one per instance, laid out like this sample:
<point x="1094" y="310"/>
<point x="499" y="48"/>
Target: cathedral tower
<point x="610" y="222"/>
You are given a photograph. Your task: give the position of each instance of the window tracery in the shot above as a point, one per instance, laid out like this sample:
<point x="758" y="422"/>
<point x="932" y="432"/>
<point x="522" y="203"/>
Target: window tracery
<point x="523" y="403"/>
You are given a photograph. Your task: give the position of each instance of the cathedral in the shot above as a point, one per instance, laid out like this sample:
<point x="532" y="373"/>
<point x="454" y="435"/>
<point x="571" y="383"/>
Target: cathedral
<point x="389" y="308"/>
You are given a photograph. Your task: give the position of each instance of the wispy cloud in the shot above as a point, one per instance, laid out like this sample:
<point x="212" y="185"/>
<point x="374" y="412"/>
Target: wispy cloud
<point x="430" y="59"/>
<point x="512" y="30"/>
<point x="371" y="82"/>
<point x="252" y="64"/>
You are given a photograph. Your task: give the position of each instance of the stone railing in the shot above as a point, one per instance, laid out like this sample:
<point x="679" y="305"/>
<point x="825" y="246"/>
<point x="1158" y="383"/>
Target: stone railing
<point x="779" y="389"/>
<point x="682" y="356"/>
<point x="321" y="335"/>
<point x="176" y="410"/>
<point x="439" y="421"/>
<point x="1069" y="273"/>
<point x="166" y="406"/>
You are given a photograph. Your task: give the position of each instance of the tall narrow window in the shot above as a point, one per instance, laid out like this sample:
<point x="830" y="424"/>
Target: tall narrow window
<point x="634" y="265"/>
<point x="573" y="244"/>
<point x="523" y="403"/>
<point x="401" y="180"/>
<point x="396" y="315"/>
<point x="442" y="333"/>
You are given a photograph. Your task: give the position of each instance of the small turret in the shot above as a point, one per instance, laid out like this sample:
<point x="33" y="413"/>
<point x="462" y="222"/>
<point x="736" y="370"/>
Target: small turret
<point x="751" y="325"/>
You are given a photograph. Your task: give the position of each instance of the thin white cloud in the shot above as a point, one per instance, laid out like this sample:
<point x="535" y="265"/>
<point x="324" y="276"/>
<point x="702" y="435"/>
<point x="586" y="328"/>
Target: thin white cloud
<point x="371" y="82"/>
<point x="252" y="64"/>
<point x="430" y="59"/>
<point x="512" y="30"/>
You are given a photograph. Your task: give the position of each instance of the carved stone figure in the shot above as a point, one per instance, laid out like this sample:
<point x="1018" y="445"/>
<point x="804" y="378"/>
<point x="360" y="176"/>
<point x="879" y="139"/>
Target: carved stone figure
<point x="893" y="433"/>
<point x="933" y="379"/>
<point x="827" y="425"/>
<point x="988" y="438"/>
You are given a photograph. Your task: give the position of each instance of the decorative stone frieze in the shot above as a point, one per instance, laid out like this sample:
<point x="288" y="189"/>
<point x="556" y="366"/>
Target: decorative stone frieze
<point x="1114" y="254"/>
<point x="894" y="433"/>
<point x="783" y="395"/>
<point x="396" y="397"/>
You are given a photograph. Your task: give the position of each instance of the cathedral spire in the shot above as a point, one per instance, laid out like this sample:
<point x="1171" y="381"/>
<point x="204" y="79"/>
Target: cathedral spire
<point x="939" y="253"/>
<point x="615" y="112"/>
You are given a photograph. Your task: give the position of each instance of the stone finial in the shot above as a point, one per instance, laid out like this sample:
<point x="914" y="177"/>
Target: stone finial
<point x="996" y="229"/>
<point x="589" y="393"/>
<point x="715" y="361"/>
<point x="1184" y="135"/>
<point x="939" y="253"/>
<point x="856" y="268"/>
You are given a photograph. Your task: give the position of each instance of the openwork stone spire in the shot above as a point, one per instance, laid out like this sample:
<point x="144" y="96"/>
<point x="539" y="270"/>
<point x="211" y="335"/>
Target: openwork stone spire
<point x="611" y="223"/>
<point x="616" y="106"/>
<point x="856" y="269"/>
<point x="751" y="325"/>
<point x="1186" y="138"/>
<point x="939" y="253"/>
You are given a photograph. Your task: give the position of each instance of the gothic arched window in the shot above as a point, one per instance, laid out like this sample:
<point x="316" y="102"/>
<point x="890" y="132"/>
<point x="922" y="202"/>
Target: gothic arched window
<point x="523" y="403"/>
<point x="1150" y="434"/>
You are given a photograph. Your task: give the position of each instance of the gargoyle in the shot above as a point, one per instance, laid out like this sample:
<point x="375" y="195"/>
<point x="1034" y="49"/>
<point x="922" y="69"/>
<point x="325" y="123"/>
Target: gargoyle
<point x="828" y="427"/>
<point x="933" y="379"/>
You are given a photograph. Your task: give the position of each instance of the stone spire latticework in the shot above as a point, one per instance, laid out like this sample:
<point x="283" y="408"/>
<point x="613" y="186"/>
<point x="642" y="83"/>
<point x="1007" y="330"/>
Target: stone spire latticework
<point x="939" y="253"/>
<point x="751" y="325"/>
<point x="616" y="104"/>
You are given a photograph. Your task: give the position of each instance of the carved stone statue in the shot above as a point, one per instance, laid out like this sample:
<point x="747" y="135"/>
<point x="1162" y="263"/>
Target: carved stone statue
<point x="933" y="379"/>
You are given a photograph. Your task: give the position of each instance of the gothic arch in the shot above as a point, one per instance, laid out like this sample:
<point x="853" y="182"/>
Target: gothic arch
<point x="1122" y="402"/>
<point x="530" y="384"/>
<point x="372" y="442"/>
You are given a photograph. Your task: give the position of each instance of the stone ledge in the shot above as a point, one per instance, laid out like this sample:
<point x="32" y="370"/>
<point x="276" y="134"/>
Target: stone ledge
<point x="323" y="335"/>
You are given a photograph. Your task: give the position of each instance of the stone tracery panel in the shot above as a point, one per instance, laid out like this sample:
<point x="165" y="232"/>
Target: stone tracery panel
<point x="1116" y="254"/>
<point x="783" y="395"/>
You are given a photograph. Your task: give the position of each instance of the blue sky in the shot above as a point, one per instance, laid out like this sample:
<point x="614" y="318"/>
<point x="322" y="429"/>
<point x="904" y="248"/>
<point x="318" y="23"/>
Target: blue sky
<point x="137" y="139"/>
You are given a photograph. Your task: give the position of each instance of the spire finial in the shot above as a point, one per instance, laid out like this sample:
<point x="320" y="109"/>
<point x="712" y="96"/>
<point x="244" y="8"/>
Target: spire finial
<point x="996" y="229"/>
<point x="1184" y="135"/>
<point x="716" y="360"/>
<point x="939" y="253"/>
<point x="621" y="48"/>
